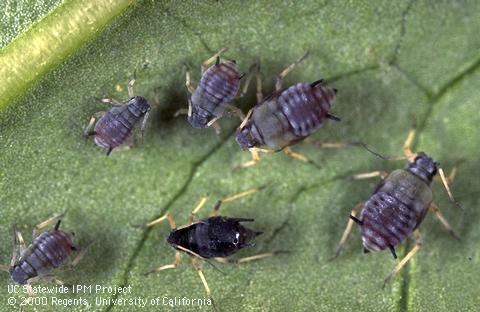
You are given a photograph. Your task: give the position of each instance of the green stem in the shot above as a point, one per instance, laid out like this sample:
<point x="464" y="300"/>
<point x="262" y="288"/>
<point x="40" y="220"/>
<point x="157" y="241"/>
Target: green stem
<point x="49" y="42"/>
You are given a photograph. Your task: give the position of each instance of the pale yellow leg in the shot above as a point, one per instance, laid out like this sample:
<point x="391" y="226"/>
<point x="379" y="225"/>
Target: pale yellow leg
<point x="188" y="82"/>
<point x="80" y="255"/>
<point x="367" y="175"/>
<point x="289" y="152"/>
<point x="253" y="161"/>
<point x="212" y="59"/>
<point x="130" y="88"/>
<point x="410" y="254"/>
<point x="245" y="259"/>
<point x="202" y="277"/>
<point x="197" y="208"/>
<point x="89" y="128"/>
<point x="347" y="230"/>
<point x="407" y="145"/>
<point x="287" y="70"/>
<point x="259" y="93"/>
<point x="176" y="263"/>
<point x="217" y="205"/>
<point x="166" y="216"/>
<point x="439" y="215"/>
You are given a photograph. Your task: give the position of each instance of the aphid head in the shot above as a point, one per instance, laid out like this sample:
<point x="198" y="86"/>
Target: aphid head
<point x="245" y="138"/>
<point x="17" y="275"/>
<point x="141" y="103"/>
<point x="198" y="118"/>
<point x="424" y="167"/>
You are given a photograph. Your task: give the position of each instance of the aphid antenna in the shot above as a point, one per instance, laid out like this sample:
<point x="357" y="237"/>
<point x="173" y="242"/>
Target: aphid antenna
<point x="369" y="149"/>
<point x="244" y="122"/>
<point x="447" y="188"/>
<point x="198" y="256"/>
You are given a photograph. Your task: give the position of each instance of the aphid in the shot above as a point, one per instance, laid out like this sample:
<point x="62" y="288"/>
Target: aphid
<point x="285" y="117"/>
<point x="47" y="251"/>
<point x="215" y="237"/>
<point x="398" y="206"/>
<point x="218" y="86"/>
<point x="114" y="127"/>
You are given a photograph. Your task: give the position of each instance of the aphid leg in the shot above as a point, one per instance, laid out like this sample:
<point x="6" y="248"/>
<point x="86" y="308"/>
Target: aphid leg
<point x="130" y="88"/>
<point x="216" y="127"/>
<point x="445" y="184"/>
<point x="111" y="102"/>
<point x="167" y="216"/>
<point x="89" y="128"/>
<point x="407" y="145"/>
<point x="347" y="230"/>
<point x="212" y="59"/>
<point x="144" y="124"/>
<point x="41" y="225"/>
<point x="197" y="208"/>
<point x="21" y="241"/>
<point x="175" y="264"/>
<point x="181" y="111"/>
<point x="245" y="259"/>
<point x="80" y="255"/>
<point x="200" y="273"/>
<point x="439" y="215"/>
<point x="289" y="152"/>
<point x="410" y="254"/>
<point x="188" y="81"/>
<point x="217" y="205"/>
<point x="253" y="67"/>
<point x="367" y="175"/>
<point x="287" y="70"/>
<point x="255" y="159"/>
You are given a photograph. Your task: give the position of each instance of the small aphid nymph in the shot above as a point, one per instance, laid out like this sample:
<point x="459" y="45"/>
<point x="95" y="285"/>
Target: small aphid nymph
<point x="114" y="127"/>
<point x="48" y="251"/>
<point x="217" y="88"/>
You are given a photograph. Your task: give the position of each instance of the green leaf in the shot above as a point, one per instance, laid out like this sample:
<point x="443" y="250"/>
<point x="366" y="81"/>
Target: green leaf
<point x="392" y="62"/>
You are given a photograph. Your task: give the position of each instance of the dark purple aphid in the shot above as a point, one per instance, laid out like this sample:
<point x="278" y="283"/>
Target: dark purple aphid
<point x="114" y="127"/>
<point x="398" y="206"/>
<point x="47" y="251"/>
<point x="218" y="87"/>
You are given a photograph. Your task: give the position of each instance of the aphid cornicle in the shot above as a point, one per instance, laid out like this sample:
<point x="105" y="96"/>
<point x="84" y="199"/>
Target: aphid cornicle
<point x="285" y="117"/>
<point x="114" y="127"/>
<point x="217" y="88"/>
<point x="398" y="206"/>
<point x="48" y="251"/>
<point x="215" y="237"/>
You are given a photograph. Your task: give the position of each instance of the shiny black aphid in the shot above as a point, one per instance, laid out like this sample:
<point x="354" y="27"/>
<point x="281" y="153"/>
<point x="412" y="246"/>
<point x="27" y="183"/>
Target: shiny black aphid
<point x="398" y="206"/>
<point x="213" y="237"/>
<point x="115" y="126"/>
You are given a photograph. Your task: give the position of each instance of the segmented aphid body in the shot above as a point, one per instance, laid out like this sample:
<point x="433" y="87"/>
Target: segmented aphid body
<point x="398" y="205"/>
<point x="213" y="237"/>
<point x="117" y="124"/>
<point x="218" y="86"/>
<point x="47" y="252"/>
<point x="287" y="116"/>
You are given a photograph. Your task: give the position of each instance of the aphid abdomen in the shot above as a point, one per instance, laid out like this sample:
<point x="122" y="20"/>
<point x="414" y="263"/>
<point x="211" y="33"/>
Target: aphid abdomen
<point x="395" y="209"/>
<point x="305" y="107"/>
<point x="219" y="84"/>
<point x="48" y="251"/>
<point x="113" y="129"/>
